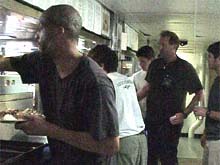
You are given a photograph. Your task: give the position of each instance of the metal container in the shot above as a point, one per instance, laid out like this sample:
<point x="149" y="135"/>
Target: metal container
<point x="21" y="153"/>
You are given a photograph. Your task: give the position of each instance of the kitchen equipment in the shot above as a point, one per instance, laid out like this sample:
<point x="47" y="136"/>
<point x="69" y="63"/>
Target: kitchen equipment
<point x="21" y="153"/>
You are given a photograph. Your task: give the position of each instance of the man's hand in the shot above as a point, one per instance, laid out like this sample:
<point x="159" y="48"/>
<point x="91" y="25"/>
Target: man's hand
<point x="203" y="140"/>
<point x="143" y="91"/>
<point x="200" y="111"/>
<point x="177" y="119"/>
<point x="35" y="125"/>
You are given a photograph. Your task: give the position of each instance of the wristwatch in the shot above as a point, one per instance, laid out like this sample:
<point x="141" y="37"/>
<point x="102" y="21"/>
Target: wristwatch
<point x="184" y="115"/>
<point x="208" y="113"/>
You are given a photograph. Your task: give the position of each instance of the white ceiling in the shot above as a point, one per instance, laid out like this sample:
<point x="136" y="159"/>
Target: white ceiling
<point x="198" y="21"/>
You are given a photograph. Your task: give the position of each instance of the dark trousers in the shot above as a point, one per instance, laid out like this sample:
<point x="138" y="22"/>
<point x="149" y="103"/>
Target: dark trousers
<point x="162" y="144"/>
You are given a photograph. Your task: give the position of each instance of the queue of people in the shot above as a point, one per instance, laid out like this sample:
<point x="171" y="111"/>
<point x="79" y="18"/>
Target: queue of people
<point x="133" y="144"/>
<point x="92" y="115"/>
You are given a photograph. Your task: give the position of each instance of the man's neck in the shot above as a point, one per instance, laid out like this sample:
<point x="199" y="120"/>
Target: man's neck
<point x="67" y="63"/>
<point x="170" y="58"/>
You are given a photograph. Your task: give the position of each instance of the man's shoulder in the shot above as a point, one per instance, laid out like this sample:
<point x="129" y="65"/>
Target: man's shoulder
<point x="90" y="68"/>
<point x="184" y="62"/>
<point x="33" y="56"/>
<point x="117" y="77"/>
<point x="93" y="73"/>
<point x="37" y="58"/>
<point x="157" y="62"/>
<point x="139" y="74"/>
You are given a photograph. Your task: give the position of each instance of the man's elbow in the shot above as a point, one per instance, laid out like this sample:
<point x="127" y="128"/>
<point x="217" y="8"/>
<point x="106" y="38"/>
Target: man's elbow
<point x="111" y="147"/>
<point x="5" y="64"/>
<point x="115" y="147"/>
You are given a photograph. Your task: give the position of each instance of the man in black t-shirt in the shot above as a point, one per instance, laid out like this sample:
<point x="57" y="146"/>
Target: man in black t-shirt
<point x="168" y="80"/>
<point x="211" y="137"/>
<point x="77" y="96"/>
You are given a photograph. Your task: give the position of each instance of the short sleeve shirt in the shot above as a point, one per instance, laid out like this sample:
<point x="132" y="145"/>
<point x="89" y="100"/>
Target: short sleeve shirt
<point x="83" y="101"/>
<point x="169" y="86"/>
<point x="213" y="126"/>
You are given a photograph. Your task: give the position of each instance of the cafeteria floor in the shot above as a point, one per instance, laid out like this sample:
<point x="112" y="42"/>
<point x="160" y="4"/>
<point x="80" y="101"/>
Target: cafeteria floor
<point x="190" y="151"/>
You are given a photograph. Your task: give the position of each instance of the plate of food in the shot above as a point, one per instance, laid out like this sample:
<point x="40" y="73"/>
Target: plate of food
<point x="8" y="118"/>
<point x="16" y="116"/>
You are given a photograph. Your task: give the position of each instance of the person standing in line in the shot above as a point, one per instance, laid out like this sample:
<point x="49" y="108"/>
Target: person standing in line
<point x="168" y="80"/>
<point x="211" y="137"/>
<point x="77" y="96"/>
<point x="133" y="143"/>
<point x="145" y="56"/>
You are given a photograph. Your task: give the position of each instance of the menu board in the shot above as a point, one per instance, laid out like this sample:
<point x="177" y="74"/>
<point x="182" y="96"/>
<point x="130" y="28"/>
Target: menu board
<point x="44" y="4"/>
<point x="90" y="19"/>
<point x="97" y="18"/>
<point x="124" y="41"/>
<point x="105" y="22"/>
<point x="83" y="11"/>
<point x="132" y="37"/>
<point x="79" y="7"/>
<point x="134" y="40"/>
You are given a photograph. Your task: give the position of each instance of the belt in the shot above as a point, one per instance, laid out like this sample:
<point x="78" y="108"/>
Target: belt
<point x="142" y="132"/>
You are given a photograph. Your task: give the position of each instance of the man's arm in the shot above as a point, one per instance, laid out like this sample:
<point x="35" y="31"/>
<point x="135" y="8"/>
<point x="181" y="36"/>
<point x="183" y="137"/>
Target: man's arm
<point x="143" y="91"/>
<point x="203" y="139"/>
<point x="201" y="111"/>
<point x="179" y="117"/>
<point x="5" y="64"/>
<point x="85" y="141"/>
<point x="214" y="115"/>
<point x="199" y="96"/>
<point x="39" y="126"/>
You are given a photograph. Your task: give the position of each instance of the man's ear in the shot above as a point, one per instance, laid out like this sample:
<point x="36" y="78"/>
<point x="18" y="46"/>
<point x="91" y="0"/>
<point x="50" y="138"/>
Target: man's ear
<point x="102" y="65"/>
<point x="61" y="30"/>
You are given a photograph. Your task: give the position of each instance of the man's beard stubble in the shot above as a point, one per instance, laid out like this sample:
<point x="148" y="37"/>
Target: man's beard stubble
<point x="48" y="48"/>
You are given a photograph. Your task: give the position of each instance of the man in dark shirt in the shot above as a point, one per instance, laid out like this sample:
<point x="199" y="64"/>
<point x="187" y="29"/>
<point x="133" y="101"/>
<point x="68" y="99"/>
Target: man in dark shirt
<point x="211" y="137"/>
<point x="77" y="96"/>
<point x="168" y="80"/>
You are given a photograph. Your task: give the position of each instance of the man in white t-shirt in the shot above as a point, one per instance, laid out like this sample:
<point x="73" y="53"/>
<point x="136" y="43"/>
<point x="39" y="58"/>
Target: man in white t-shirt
<point x="133" y="143"/>
<point x="145" y="56"/>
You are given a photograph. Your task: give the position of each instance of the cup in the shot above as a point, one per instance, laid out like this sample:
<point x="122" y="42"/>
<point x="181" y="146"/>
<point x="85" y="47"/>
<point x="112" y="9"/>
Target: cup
<point x="199" y="105"/>
<point x="172" y="118"/>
